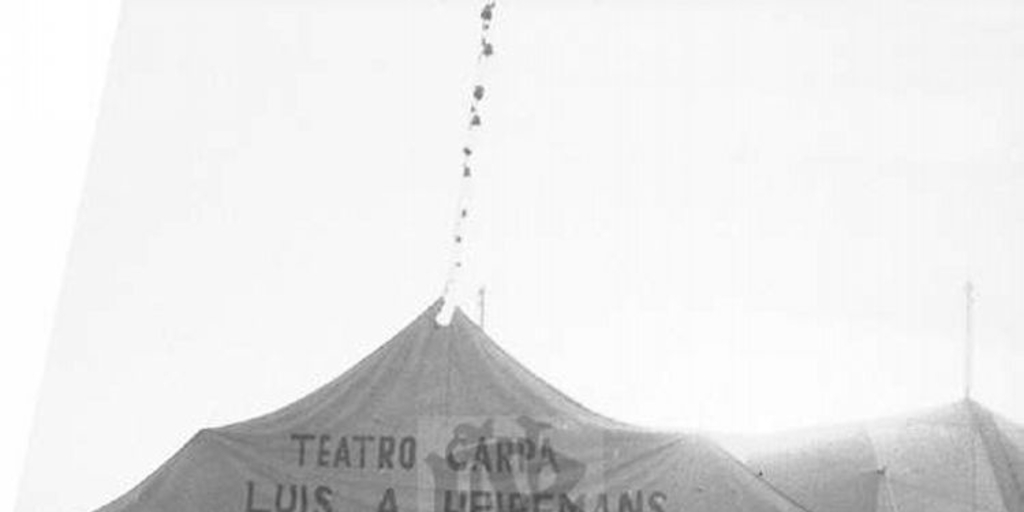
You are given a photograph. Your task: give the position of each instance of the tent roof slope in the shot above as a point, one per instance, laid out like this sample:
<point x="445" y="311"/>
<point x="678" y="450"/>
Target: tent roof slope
<point x="440" y="419"/>
<point x="955" y="457"/>
<point x="430" y="370"/>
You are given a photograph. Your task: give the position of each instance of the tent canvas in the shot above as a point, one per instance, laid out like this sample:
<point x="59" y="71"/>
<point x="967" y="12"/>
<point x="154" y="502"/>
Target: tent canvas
<point x="440" y="418"/>
<point x="956" y="458"/>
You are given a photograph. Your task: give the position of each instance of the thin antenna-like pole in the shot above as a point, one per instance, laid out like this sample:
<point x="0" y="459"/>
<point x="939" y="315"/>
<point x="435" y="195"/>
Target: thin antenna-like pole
<point x="482" y="298"/>
<point x="968" y="382"/>
<point x="968" y="338"/>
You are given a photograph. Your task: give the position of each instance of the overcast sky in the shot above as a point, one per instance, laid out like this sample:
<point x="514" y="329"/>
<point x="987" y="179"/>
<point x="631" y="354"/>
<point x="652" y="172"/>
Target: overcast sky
<point x="727" y="215"/>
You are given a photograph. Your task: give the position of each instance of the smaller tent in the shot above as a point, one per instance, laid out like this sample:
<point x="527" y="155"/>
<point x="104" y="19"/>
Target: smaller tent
<point x="956" y="458"/>
<point x="440" y="419"/>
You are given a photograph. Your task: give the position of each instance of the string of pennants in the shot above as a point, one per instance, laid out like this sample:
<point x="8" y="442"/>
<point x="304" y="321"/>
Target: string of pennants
<point x="474" y="124"/>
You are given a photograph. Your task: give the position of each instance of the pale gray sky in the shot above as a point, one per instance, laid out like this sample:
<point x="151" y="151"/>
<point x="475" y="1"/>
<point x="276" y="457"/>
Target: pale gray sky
<point x="728" y="215"/>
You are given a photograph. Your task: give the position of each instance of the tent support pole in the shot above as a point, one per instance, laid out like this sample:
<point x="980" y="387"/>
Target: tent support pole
<point x="482" y="298"/>
<point x="968" y="338"/>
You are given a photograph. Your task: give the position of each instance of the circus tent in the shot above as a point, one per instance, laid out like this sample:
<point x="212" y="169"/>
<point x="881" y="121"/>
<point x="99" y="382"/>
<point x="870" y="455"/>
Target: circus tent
<point x="441" y="419"/>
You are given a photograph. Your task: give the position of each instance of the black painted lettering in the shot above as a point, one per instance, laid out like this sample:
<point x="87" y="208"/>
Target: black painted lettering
<point x="480" y="501"/>
<point x="407" y="452"/>
<point x="292" y="501"/>
<point x="529" y="449"/>
<point x="450" y="496"/>
<point x="388" y="502"/>
<point x="481" y="457"/>
<point x="362" y="441"/>
<point x="302" y="438"/>
<point x="657" y="501"/>
<point x="323" y="496"/>
<point x="324" y="453"/>
<point x="517" y="502"/>
<point x="547" y="456"/>
<point x="626" y="503"/>
<point x="500" y="503"/>
<point x="502" y="451"/>
<point x="538" y="501"/>
<point x="566" y="504"/>
<point x="250" y="491"/>
<point x="341" y="453"/>
<point x="385" y="451"/>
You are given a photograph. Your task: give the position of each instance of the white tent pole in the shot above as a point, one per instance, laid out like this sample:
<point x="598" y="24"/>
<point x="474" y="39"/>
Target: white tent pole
<point x="968" y="379"/>
<point x="482" y="297"/>
<point x="968" y="338"/>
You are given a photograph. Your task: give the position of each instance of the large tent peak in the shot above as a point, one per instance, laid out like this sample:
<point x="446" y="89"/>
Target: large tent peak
<point x="440" y="419"/>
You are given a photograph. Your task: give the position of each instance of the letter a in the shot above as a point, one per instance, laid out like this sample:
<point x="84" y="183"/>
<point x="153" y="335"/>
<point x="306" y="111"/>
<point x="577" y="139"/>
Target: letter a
<point x="388" y="503"/>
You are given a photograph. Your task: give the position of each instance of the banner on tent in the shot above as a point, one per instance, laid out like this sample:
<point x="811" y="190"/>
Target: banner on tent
<point x="468" y="464"/>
